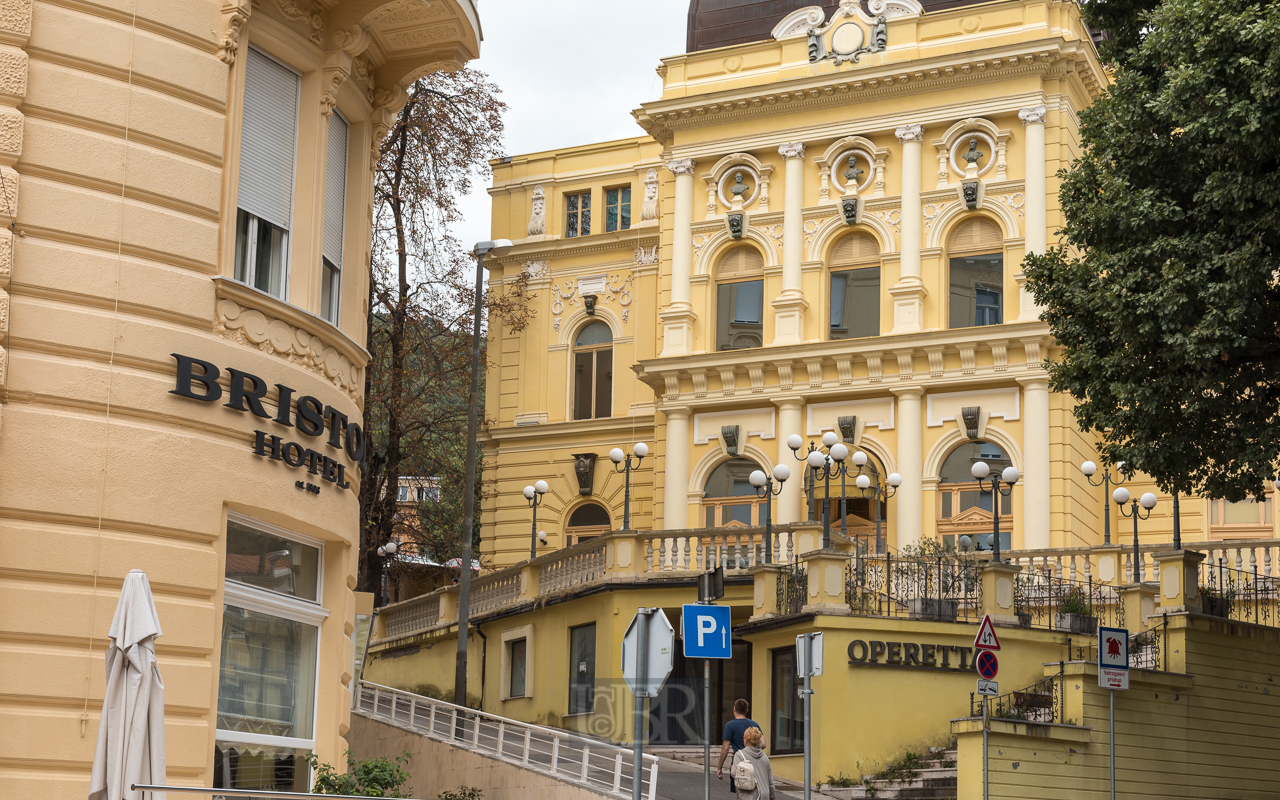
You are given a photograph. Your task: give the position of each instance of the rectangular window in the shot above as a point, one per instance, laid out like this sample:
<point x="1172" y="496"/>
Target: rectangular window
<point x="582" y="669"/>
<point x="855" y="303"/>
<point x="516" y="653"/>
<point x="267" y="679"/>
<point x="1247" y="512"/>
<point x="740" y="315"/>
<point x="272" y="563"/>
<point x="268" y="149"/>
<point x="593" y="384"/>
<point x="261" y="767"/>
<point x="335" y="202"/>
<point x="788" y="709"/>
<point x="977" y="290"/>
<point x="578" y="218"/>
<point x="617" y="209"/>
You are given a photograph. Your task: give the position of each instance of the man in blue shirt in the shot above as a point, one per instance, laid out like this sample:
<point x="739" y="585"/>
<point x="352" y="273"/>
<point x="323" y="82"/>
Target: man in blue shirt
<point x="732" y="738"/>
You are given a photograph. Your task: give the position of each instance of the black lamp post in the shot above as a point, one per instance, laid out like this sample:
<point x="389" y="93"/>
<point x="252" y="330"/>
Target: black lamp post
<point x="623" y="465"/>
<point x="535" y="495"/>
<point x="828" y="465"/>
<point x="1147" y="502"/>
<point x="387" y="553"/>
<point x="980" y="470"/>
<point x="1090" y="469"/>
<point x="765" y="489"/>
<point x="879" y="493"/>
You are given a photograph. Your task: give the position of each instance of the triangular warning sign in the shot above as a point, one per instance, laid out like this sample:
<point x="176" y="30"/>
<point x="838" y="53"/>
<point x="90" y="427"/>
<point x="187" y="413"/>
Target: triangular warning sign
<point x="986" y="638"/>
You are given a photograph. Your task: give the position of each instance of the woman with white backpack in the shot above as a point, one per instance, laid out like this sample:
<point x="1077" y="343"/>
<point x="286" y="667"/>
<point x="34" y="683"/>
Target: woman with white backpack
<point x="752" y="775"/>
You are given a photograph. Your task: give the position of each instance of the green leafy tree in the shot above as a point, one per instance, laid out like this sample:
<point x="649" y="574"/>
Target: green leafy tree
<point x="1167" y="300"/>
<point x="377" y="777"/>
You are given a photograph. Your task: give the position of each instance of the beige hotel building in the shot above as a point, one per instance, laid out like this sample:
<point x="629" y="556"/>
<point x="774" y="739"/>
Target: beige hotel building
<point x="187" y="195"/>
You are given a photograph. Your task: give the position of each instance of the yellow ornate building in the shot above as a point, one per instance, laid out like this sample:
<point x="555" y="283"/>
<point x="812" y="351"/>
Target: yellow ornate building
<point x="188" y="189"/>
<point x="893" y="165"/>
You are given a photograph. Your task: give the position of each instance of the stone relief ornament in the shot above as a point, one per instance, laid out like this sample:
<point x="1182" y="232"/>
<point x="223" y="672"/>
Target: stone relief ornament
<point x="1034" y="115"/>
<point x="584" y="467"/>
<point x="538" y="218"/>
<point x="910" y="133"/>
<point x="297" y="346"/>
<point x="892" y="217"/>
<point x="970" y="190"/>
<point x="971" y="158"/>
<point x="645" y="257"/>
<point x="792" y="150"/>
<point x="970" y="416"/>
<point x="735" y="225"/>
<point x="649" y="209"/>
<point x="682" y="166"/>
<point x="731" y="438"/>
<point x="605" y="289"/>
<point x="537" y="269"/>
<point x="849" y="203"/>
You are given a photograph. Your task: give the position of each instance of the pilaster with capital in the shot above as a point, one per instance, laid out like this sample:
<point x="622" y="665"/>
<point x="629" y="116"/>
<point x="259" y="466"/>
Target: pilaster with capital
<point x="790" y="305"/>
<point x="678" y="317"/>
<point x="1035" y="455"/>
<point x="909" y="292"/>
<point x="675" y="468"/>
<point x="910" y="497"/>
<point x="1036" y="204"/>
<point x="790" y="420"/>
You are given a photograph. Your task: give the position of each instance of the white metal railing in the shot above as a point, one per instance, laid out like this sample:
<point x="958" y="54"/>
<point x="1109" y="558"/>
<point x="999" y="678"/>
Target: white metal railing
<point x="600" y="766"/>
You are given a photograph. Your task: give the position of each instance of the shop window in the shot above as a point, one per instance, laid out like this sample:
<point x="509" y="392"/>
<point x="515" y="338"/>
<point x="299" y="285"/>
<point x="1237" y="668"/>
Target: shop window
<point x="740" y="300"/>
<point x="582" y="669"/>
<point x="855" y="287"/>
<point x="335" y="202"/>
<point x="976" y="259"/>
<point x="729" y="499"/>
<point x="787" y="709"/>
<point x="578" y="215"/>
<point x="268" y="150"/>
<point x="268" y="659"/>
<point x="1241" y="519"/>
<point x="588" y="521"/>
<point x="617" y="209"/>
<point x="593" y="372"/>
<point x="964" y="506"/>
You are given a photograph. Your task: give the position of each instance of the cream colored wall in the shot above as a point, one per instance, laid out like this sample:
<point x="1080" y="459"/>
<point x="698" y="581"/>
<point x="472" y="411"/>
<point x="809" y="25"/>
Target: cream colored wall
<point x="119" y="142"/>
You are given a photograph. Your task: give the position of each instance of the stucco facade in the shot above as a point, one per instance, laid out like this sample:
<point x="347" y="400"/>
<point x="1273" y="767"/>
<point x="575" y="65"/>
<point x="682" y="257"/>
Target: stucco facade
<point x="124" y="152"/>
<point x="1005" y="81"/>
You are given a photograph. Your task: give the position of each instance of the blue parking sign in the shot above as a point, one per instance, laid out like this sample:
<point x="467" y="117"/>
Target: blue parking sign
<point x="707" y="631"/>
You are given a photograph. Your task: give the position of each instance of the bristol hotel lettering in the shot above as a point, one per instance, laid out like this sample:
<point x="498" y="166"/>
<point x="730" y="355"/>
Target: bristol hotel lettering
<point x="910" y="655"/>
<point x="198" y="380"/>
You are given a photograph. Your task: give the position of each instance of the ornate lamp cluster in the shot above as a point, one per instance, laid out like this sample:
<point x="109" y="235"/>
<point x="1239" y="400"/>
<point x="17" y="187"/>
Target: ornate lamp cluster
<point x="534" y="494"/>
<point x="981" y="471"/>
<point x="832" y="463"/>
<point x="622" y="464"/>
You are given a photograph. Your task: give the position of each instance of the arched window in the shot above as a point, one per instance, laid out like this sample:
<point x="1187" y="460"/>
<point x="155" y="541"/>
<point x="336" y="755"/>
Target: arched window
<point x="740" y="299"/>
<point x="587" y="520"/>
<point x="854" y="264"/>
<point x="593" y="372"/>
<point x="976" y="256"/>
<point x="729" y="497"/>
<point x="964" y="508"/>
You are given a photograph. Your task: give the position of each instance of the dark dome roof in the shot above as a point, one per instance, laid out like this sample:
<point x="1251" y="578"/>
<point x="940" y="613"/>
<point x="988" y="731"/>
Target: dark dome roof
<point x="720" y="23"/>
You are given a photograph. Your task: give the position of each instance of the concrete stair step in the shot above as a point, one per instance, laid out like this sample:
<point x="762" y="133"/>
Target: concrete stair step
<point x="933" y="780"/>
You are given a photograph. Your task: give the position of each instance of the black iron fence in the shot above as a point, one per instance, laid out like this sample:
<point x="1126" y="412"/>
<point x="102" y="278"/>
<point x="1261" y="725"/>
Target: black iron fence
<point x="793" y="589"/>
<point x="1042" y="600"/>
<point x="927" y="588"/>
<point x="1041" y="702"/>
<point x="1147" y="650"/>
<point x="1236" y="594"/>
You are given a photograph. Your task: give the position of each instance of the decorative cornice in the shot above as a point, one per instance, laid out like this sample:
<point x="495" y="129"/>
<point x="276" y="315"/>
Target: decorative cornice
<point x="1044" y="57"/>
<point x="616" y="241"/>
<point x="252" y="318"/>
<point x="305" y="12"/>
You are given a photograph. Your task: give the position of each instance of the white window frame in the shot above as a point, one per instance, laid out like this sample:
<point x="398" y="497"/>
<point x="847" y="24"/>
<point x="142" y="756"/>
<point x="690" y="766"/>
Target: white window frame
<point x="297" y="609"/>
<point x="512" y="635"/>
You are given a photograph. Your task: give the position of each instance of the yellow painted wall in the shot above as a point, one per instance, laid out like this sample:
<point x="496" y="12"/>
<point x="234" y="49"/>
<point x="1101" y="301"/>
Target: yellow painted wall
<point x="1207" y="730"/>
<point x="119" y="159"/>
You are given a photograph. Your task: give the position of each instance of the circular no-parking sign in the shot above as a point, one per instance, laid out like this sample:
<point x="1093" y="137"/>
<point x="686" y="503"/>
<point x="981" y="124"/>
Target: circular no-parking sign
<point x="987" y="664"/>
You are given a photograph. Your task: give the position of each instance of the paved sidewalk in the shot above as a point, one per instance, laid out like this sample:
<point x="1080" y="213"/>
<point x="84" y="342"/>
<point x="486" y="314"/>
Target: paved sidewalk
<point x="682" y="780"/>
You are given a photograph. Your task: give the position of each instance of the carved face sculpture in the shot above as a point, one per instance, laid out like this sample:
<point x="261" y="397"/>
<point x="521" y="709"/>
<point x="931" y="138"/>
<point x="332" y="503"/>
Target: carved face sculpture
<point x="538" y="204"/>
<point x="738" y="188"/>
<point x="651" y="190"/>
<point x="852" y="173"/>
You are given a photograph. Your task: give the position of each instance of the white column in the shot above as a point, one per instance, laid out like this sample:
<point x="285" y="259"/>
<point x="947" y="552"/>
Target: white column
<point x="910" y="497"/>
<point x="1035" y="453"/>
<point x="677" y="318"/>
<point x="1035" y="208"/>
<point x="675" y="489"/>
<point x="909" y="292"/>
<point x="789" y="306"/>
<point x="790" y="420"/>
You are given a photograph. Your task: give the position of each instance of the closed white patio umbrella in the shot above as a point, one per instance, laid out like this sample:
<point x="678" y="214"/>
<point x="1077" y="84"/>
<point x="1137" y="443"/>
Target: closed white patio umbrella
<point x="131" y="732"/>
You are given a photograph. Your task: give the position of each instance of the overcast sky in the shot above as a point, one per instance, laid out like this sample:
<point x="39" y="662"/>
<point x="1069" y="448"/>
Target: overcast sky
<point x="570" y="71"/>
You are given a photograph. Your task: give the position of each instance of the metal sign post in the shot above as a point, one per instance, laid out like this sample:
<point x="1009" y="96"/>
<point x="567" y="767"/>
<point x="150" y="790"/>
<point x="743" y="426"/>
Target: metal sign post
<point x="808" y="664"/>
<point x="1113" y="674"/>
<point x="707" y="634"/>
<point x="985" y="644"/>
<point x="648" y="649"/>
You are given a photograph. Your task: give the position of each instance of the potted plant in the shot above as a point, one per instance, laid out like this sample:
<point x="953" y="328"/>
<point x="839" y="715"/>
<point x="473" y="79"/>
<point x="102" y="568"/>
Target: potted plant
<point x="1075" y="614"/>
<point x="1216" y="603"/>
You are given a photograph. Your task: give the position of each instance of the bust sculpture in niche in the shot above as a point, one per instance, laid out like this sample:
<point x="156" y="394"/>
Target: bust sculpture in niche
<point x="738" y="188"/>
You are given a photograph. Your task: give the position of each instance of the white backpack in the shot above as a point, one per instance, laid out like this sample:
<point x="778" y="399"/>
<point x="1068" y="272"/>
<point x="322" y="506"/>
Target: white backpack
<point x="744" y="772"/>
